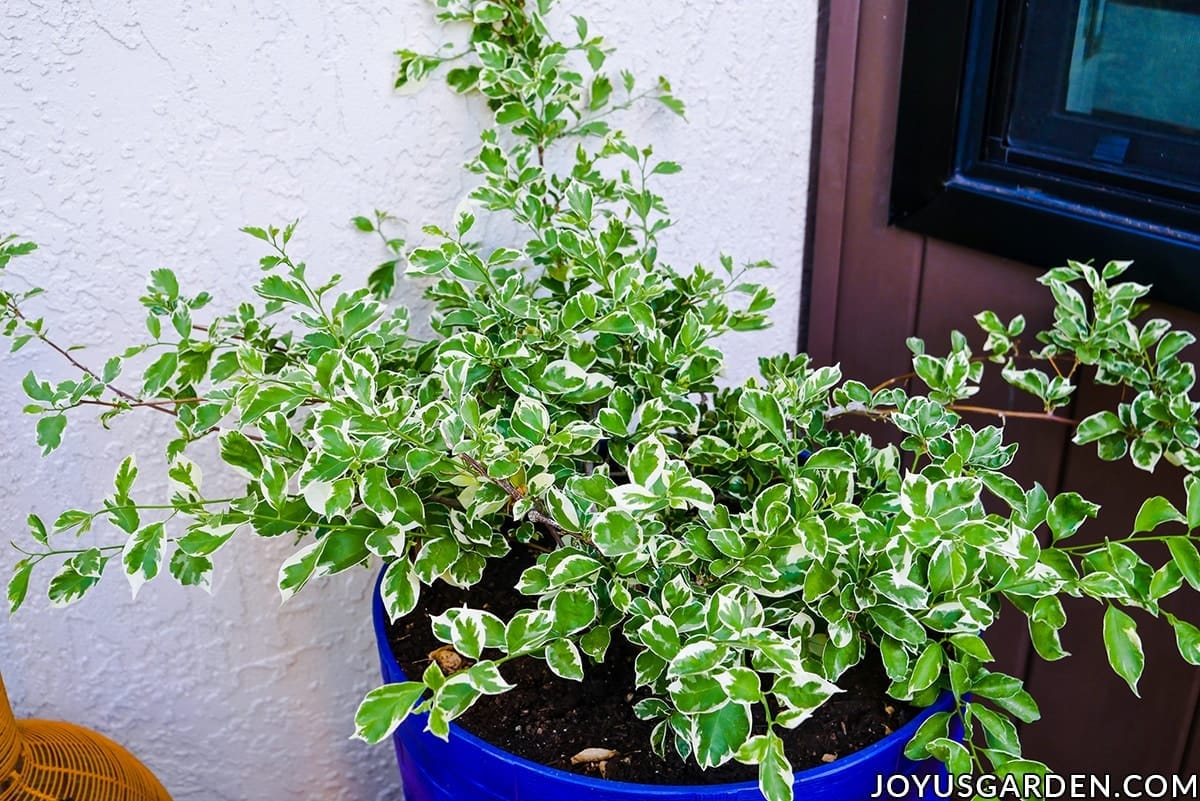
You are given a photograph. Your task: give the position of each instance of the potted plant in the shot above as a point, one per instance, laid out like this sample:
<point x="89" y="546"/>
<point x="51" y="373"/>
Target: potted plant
<point x="739" y="544"/>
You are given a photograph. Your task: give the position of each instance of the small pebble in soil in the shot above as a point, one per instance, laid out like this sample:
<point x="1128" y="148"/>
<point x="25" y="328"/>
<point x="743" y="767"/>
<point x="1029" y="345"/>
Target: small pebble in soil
<point x="593" y="755"/>
<point x="449" y="660"/>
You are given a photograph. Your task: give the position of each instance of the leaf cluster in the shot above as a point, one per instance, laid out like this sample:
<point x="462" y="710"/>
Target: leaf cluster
<point x="750" y="547"/>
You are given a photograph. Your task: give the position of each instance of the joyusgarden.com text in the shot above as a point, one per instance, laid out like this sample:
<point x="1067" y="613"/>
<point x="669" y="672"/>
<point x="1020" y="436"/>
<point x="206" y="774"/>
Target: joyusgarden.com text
<point x="1075" y="785"/>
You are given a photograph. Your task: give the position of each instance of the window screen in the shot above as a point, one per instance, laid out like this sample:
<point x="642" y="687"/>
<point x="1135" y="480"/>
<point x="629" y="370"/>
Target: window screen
<point x="1113" y="85"/>
<point x="1045" y="130"/>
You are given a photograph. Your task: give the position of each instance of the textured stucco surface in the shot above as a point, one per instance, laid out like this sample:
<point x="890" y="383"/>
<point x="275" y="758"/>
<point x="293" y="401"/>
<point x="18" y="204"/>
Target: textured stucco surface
<point x="137" y="134"/>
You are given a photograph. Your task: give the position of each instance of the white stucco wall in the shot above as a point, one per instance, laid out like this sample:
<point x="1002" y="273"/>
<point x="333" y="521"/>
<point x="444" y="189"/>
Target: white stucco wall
<point x="140" y="133"/>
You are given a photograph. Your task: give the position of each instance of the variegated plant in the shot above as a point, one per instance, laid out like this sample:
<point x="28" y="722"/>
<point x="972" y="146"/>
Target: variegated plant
<point x="749" y="550"/>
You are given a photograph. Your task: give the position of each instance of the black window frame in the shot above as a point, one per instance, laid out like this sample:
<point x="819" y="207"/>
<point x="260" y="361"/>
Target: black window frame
<point x="953" y="179"/>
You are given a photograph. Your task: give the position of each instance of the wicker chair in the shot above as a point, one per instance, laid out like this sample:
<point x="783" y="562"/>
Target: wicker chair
<point x="42" y="760"/>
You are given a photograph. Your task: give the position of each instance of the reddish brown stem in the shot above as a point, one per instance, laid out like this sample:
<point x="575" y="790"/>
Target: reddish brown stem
<point x="134" y="400"/>
<point x="1048" y="417"/>
<point x="883" y="414"/>
<point x="137" y="404"/>
<point x="536" y="515"/>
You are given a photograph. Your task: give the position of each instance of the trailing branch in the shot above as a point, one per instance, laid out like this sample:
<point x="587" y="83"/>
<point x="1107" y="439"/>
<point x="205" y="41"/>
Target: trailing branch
<point x="133" y="399"/>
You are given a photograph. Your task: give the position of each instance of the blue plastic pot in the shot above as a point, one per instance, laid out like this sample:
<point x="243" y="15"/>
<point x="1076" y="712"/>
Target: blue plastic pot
<point x="469" y="769"/>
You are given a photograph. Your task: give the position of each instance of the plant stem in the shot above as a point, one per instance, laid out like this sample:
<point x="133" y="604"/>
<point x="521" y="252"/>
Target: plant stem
<point x="861" y="410"/>
<point x="1123" y="540"/>
<point x="1048" y="417"/>
<point x="536" y="515"/>
<point x="12" y="307"/>
<point x="137" y="404"/>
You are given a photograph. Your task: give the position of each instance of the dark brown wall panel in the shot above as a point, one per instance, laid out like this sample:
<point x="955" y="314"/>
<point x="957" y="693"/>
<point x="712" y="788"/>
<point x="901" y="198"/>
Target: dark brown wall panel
<point x="872" y="286"/>
<point x="828" y="222"/>
<point x="878" y="273"/>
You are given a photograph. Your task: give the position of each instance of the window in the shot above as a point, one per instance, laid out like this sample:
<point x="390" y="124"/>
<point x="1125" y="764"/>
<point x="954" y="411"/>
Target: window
<point x="1043" y="130"/>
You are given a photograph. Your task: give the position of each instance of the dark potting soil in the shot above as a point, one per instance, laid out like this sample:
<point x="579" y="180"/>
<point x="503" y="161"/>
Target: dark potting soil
<point x="547" y="719"/>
